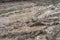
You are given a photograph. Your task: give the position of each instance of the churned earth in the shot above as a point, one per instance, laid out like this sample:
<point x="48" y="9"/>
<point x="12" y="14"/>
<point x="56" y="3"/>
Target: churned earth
<point x="29" y="21"/>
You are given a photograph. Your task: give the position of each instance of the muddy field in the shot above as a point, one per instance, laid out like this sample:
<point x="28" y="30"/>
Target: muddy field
<point x="28" y="20"/>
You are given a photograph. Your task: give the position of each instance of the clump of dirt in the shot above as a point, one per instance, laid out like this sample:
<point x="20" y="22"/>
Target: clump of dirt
<point x="29" y="21"/>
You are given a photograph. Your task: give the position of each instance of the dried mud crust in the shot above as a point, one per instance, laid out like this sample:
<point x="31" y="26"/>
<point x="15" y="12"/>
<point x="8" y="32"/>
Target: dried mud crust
<point x="29" y="21"/>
